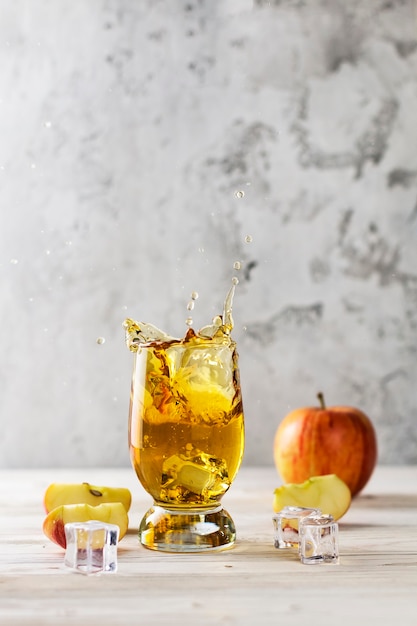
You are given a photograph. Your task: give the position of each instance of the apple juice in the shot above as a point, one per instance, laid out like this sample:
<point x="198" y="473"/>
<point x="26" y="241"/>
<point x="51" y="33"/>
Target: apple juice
<point x="186" y="426"/>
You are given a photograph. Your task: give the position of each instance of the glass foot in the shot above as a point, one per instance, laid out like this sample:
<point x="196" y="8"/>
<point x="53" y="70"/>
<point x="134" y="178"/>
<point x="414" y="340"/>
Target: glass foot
<point x="187" y="531"/>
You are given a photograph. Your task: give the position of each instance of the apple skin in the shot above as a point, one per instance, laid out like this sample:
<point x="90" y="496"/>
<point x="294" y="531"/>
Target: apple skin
<point x="109" y="512"/>
<point x="328" y="493"/>
<point x="313" y="441"/>
<point x="84" y="493"/>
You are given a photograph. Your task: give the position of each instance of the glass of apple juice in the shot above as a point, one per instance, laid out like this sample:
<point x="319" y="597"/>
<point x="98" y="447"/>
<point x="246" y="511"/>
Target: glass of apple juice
<point x="186" y="432"/>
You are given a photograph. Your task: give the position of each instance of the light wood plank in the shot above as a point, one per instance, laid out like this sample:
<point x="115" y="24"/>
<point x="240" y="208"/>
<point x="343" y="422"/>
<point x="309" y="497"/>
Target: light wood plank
<point x="253" y="583"/>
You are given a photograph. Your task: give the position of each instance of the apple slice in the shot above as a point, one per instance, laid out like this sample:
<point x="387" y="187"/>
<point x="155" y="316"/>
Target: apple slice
<point x="84" y="493"/>
<point x="109" y="512"/>
<point x="328" y="493"/>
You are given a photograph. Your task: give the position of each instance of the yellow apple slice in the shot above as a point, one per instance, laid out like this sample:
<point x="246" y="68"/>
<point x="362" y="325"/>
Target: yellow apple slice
<point x="328" y="493"/>
<point x="109" y="512"/>
<point x="84" y="493"/>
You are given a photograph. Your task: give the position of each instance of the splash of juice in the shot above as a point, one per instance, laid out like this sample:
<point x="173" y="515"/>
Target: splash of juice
<point x="141" y="333"/>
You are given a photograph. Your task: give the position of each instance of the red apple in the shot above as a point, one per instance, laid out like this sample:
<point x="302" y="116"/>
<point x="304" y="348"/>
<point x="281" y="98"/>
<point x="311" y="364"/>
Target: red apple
<point x="313" y="441"/>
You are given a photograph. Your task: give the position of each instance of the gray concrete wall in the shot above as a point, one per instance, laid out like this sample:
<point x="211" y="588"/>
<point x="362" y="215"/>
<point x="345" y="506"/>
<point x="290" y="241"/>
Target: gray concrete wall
<point x="127" y="127"/>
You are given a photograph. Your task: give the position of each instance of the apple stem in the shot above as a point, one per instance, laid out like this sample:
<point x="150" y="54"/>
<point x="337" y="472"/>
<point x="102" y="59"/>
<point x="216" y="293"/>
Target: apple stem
<point x="320" y="396"/>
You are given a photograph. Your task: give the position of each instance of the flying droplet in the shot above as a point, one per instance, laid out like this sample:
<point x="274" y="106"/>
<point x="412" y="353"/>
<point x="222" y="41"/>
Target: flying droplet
<point x="190" y="305"/>
<point x="189" y="321"/>
<point x="248" y="239"/>
<point x="100" y="340"/>
<point x="194" y="295"/>
<point x="239" y="194"/>
<point x="237" y="265"/>
<point x="235" y="280"/>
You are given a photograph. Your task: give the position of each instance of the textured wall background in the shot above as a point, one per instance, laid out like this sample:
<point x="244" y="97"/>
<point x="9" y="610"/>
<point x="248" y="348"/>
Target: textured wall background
<point x="127" y="127"/>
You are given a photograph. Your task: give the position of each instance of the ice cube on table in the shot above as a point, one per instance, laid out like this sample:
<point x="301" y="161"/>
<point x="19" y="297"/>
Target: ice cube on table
<point x="286" y="524"/>
<point x="319" y="539"/>
<point x="91" y="546"/>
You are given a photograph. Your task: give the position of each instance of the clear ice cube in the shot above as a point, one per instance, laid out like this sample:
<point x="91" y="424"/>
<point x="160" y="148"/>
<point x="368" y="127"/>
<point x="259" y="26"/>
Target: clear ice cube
<point x="91" y="547"/>
<point x="198" y="473"/>
<point x="319" y="541"/>
<point x="204" y="365"/>
<point x="286" y="525"/>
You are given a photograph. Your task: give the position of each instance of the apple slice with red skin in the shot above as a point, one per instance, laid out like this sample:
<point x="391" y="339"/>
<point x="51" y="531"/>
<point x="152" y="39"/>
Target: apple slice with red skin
<point x="109" y="512"/>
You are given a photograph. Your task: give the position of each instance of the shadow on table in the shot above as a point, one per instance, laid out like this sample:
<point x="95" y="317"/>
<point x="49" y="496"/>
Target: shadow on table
<point x="386" y="501"/>
<point x="356" y="525"/>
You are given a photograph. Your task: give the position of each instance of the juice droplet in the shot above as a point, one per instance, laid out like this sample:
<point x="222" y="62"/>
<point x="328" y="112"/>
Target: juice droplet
<point x="237" y="265"/>
<point x="248" y="239"/>
<point x="239" y="194"/>
<point x="194" y="295"/>
<point x="189" y="321"/>
<point x="235" y="280"/>
<point x="100" y="340"/>
<point x="190" y="305"/>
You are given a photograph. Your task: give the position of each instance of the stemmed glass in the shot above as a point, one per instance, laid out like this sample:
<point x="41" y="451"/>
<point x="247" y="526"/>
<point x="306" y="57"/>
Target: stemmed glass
<point x="186" y="438"/>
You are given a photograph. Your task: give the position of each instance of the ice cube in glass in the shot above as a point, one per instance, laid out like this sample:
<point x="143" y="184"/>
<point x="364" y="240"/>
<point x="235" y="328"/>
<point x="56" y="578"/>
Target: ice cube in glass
<point x="319" y="539"/>
<point x="286" y="523"/>
<point x="91" y="546"/>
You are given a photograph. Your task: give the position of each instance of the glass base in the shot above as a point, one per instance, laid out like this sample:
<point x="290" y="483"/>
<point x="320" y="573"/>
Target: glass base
<point x="187" y="531"/>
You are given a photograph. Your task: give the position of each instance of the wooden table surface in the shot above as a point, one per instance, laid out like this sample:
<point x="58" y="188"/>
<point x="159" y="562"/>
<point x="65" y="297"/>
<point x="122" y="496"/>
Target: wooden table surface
<point x="251" y="584"/>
